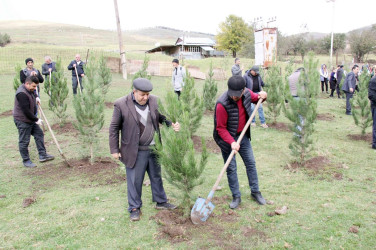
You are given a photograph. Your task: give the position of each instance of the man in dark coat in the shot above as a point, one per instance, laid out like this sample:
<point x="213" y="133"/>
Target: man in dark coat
<point x="372" y="98"/>
<point x="339" y="79"/>
<point x="48" y="67"/>
<point x="25" y="107"/>
<point x="78" y="65"/>
<point x="349" y="87"/>
<point x="137" y="117"/>
<point x="31" y="71"/>
<point x="232" y="111"/>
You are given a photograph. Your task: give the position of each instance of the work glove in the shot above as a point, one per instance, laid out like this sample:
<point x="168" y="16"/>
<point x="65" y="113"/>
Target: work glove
<point x="39" y="122"/>
<point x="38" y="100"/>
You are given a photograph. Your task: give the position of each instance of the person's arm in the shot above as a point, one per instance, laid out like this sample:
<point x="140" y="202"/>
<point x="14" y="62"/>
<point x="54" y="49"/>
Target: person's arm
<point x="22" y="76"/>
<point x="235" y="70"/>
<point x="372" y="91"/>
<point x="40" y="77"/>
<point x="262" y="82"/>
<point x="70" y="66"/>
<point x="24" y="102"/>
<point x="115" y="127"/>
<point x="163" y="119"/>
<point x="222" y="116"/>
<point x="255" y="97"/>
<point x="45" y="70"/>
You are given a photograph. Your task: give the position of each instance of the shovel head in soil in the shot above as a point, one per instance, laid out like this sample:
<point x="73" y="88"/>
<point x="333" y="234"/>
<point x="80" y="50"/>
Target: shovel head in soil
<point x="201" y="210"/>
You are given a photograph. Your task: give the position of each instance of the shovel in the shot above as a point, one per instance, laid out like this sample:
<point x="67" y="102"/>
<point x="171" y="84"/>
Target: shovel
<point x="203" y="208"/>
<point x="53" y="136"/>
<point x="78" y="79"/>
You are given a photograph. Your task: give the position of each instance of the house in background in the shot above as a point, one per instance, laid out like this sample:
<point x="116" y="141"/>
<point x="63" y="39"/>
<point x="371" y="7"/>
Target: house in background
<point x="189" y="48"/>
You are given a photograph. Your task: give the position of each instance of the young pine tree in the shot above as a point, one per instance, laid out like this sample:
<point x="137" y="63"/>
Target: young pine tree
<point x="104" y="74"/>
<point x="143" y="71"/>
<point x="16" y="79"/>
<point x="57" y="89"/>
<point x="181" y="167"/>
<point x="89" y="108"/>
<point x="302" y="111"/>
<point x="192" y="104"/>
<point x="286" y="91"/>
<point x="362" y="116"/>
<point x="275" y="90"/>
<point x="210" y="90"/>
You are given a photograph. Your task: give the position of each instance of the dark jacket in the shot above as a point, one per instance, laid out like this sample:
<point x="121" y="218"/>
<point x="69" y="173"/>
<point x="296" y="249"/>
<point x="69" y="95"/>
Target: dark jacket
<point x="333" y="80"/>
<point x="125" y="119"/>
<point x="20" y="112"/>
<point x="231" y="108"/>
<point x="45" y="68"/>
<point x="249" y="81"/>
<point x="24" y="72"/>
<point x="339" y="75"/>
<point x="350" y="82"/>
<point x="372" y="92"/>
<point x="80" y="68"/>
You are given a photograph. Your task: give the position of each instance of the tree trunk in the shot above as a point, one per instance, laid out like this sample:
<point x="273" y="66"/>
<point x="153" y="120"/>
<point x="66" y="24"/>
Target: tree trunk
<point x="233" y="53"/>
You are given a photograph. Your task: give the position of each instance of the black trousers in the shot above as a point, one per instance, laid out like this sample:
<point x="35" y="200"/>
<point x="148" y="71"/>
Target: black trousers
<point x="25" y="130"/>
<point x="178" y="92"/>
<point x="146" y="162"/>
<point x="326" y="85"/>
<point x="75" y="84"/>
<point x="348" y="104"/>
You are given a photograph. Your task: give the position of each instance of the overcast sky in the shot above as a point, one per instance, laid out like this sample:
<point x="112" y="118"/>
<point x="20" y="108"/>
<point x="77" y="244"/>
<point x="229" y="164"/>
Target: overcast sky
<point x="195" y="15"/>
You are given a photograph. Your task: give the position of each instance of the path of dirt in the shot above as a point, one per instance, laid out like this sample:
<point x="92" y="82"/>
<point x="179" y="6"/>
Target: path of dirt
<point x="103" y="172"/>
<point x="211" y="145"/>
<point x="109" y="105"/>
<point x="67" y="128"/>
<point x="280" y="126"/>
<point x="359" y="137"/>
<point x="325" y="117"/>
<point x="6" y="114"/>
<point x="319" y="166"/>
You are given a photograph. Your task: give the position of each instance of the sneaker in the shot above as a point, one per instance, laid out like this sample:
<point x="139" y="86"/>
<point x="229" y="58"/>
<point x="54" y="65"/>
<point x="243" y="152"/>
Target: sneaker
<point x="258" y="197"/>
<point x="264" y="125"/>
<point x="235" y="202"/>
<point x="135" y="214"/>
<point x="165" y="206"/>
<point x="253" y="124"/>
<point x="29" y="164"/>
<point x="46" y="157"/>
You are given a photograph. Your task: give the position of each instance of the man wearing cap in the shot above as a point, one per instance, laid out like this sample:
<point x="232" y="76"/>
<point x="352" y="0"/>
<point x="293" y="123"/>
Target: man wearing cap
<point x="137" y="117"/>
<point x="339" y="79"/>
<point x="78" y="65"/>
<point x="236" y="70"/>
<point x="178" y="75"/>
<point x="30" y="71"/>
<point x="25" y="108"/>
<point x="232" y="110"/>
<point x="254" y="82"/>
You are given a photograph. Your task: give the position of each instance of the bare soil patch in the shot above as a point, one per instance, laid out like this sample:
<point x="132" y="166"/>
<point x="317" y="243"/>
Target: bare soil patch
<point x="3" y="196"/>
<point x="6" y="114"/>
<point x="67" y="128"/>
<point x="104" y="171"/>
<point x="325" y="117"/>
<point x="320" y="167"/>
<point x="280" y="126"/>
<point x="360" y="137"/>
<point x="211" y="145"/>
<point x="209" y="113"/>
<point x="109" y="105"/>
<point x="28" y="201"/>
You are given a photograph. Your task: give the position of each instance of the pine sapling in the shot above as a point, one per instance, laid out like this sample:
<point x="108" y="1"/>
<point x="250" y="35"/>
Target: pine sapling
<point x="104" y="74"/>
<point x="142" y="73"/>
<point x="57" y="88"/>
<point x="210" y="90"/>
<point x="275" y="89"/>
<point x="89" y="107"/>
<point x="16" y="79"/>
<point x="362" y="116"/>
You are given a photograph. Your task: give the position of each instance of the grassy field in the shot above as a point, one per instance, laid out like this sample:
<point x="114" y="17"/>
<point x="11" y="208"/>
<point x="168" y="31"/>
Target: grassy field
<point x="73" y="210"/>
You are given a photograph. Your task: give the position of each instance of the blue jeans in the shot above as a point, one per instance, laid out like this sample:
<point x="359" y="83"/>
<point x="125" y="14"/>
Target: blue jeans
<point x="373" y="109"/>
<point x="246" y="153"/>
<point x="260" y="112"/>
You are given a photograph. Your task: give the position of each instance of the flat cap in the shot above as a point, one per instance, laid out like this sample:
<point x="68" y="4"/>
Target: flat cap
<point x="143" y="84"/>
<point x="256" y="69"/>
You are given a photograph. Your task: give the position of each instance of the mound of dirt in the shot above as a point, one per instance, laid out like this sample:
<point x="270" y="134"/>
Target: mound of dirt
<point x="6" y="114"/>
<point x="109" y="105"/>
<point x="366" y="137"/>
<point x="67" y="128"/>
<point x="103" y="172"/>
<point x="325" y="117"/>
<point x="280" y="126"/>
<point x="319" y="166"/>
<point x="211" y="145"/>
<point x="252" y="232"/>
<point x="27" y="202"/>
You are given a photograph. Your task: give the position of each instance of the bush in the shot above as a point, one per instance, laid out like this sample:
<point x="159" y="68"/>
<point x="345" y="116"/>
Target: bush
<point x="210" y="90"/>
<point x="4" y="39"/>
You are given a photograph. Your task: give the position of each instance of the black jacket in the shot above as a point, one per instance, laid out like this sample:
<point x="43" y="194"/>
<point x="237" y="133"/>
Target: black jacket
<point x="23" y="76"/>
<point x="372" y="92"/>
<point x="80" y="68"/>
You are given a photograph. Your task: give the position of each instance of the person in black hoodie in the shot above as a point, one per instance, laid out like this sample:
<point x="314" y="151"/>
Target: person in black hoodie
<point x="333" y="82"/>
<point x="372" y="98"/>
<point x="31" y="71"/>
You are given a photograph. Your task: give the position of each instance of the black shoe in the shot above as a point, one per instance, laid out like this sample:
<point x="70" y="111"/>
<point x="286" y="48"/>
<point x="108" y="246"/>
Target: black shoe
<point x="258" y="197"/>
<point x="135" y="214"/>
<point x="349" y="113"/>
<point x="46" y="158"/>
<point x="165" y="206"/>
<point x="235" y="202"/>
<point x="29" y="164"/>
<point x="374" y="146"/>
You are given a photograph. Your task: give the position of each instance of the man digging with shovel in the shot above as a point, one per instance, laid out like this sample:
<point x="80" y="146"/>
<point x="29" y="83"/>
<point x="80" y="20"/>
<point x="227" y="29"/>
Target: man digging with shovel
<point x="77" y="67"/>
<point x="232" y="111"/>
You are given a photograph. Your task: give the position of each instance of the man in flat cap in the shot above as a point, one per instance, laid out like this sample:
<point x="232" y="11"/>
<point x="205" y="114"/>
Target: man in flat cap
<point x="232" y="111"/>
<point x="137" y="117"/>
<point x="178" y="75"/>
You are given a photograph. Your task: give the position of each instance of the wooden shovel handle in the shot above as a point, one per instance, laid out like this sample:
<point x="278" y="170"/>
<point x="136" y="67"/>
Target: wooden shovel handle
<point x="78" y="79"/>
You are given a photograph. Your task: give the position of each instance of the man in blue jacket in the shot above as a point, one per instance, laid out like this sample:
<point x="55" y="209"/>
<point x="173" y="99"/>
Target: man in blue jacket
<point x="79" y="65"/>
<point x="372" y="98"/>
<point x="349" y="87"/>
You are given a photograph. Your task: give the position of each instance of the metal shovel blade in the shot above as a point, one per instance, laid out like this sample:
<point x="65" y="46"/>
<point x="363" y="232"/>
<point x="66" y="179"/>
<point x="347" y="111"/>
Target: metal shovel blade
<point x="201" y="211"/>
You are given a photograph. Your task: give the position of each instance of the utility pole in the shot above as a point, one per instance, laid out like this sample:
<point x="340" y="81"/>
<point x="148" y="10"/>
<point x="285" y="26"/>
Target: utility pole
<point x="122" y="52"/>
<point x="331" y="41"/>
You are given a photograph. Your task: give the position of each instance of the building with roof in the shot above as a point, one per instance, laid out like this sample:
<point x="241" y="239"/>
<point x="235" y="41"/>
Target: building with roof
<point x="189" y="48"/>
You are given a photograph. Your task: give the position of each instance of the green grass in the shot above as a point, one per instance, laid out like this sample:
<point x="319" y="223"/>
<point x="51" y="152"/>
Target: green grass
<point x="67" y="214"/>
